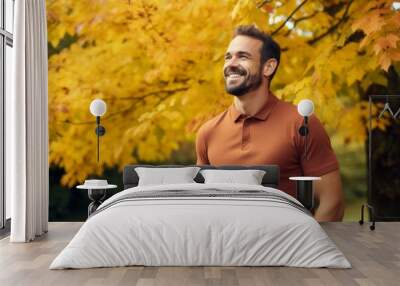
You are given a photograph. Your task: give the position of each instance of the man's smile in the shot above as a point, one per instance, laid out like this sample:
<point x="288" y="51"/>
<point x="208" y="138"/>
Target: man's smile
<point x="234" y="77"/>
<point x="234" y="74"/>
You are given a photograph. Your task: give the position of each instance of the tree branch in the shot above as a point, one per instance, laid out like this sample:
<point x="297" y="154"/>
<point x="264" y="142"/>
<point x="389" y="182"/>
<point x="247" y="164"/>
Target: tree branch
<point x="289" y="17"/>
<point x="137" y="99"/>
<point x="298" y="20"/>
<point x="147" y="94"/>
<point x="262" y="3"/>
<point x="343" y="19"/>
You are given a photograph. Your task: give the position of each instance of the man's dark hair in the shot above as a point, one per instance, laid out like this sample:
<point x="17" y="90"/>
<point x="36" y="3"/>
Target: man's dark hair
<point x="269" y="49"/>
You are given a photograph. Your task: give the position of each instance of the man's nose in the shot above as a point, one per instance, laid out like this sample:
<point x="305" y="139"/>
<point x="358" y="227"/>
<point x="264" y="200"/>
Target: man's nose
<point x="231" y="62"/>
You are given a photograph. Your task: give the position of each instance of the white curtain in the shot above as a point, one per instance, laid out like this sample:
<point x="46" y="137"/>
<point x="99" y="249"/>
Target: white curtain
<point x="26" y="124"/>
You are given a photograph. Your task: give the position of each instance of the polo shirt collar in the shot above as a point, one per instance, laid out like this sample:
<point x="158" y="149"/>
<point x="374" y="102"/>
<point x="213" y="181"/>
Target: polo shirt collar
<point x="262" y="114"/>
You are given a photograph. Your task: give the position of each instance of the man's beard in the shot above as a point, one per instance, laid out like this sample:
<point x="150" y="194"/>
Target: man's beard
<point x="250" y="83"/>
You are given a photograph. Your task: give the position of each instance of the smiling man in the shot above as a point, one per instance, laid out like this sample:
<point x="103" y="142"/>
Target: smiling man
<point x="260" y="129"/>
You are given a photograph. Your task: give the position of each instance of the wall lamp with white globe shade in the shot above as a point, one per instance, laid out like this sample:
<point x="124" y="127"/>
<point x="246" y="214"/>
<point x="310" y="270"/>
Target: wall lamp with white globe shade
<point x="304" y="185"/>
<point x="305" y="108"/>
<point x="98" y="108"/>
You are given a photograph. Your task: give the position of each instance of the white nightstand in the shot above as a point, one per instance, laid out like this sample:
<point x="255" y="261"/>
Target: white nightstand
<point x="96" y="194"/>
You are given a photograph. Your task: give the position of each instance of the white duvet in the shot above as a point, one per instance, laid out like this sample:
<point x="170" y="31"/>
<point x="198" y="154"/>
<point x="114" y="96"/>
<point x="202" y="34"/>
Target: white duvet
<point x="200" y="231"/>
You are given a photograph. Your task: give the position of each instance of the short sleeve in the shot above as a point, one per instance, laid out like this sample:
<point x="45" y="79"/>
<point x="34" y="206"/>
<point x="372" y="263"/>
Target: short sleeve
<point x="321" y="157"/>
<point x="201" y="148"/>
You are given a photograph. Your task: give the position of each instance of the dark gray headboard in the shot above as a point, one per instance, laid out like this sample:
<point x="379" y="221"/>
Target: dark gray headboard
<point x="270" y="179"/>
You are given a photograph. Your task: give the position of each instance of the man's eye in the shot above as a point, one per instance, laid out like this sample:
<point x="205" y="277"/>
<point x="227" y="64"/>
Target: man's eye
<point x="243" y="57"/>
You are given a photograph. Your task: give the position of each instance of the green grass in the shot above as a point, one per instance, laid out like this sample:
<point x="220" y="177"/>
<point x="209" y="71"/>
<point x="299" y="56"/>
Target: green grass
<point x="353" y="170"/>
<point x="353" y="210"/>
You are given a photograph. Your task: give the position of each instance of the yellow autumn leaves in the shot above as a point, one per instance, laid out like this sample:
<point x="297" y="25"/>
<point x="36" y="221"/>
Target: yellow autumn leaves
<point x="158" y="66"/>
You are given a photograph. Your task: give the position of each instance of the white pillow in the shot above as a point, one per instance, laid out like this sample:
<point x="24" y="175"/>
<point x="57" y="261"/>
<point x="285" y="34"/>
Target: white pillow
<point x="163" y="176"/>
<point x="249" y="177"/>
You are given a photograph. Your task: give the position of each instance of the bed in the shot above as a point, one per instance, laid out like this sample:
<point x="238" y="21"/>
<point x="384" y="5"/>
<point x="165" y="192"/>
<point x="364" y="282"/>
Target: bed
<point x="201" y="224"/>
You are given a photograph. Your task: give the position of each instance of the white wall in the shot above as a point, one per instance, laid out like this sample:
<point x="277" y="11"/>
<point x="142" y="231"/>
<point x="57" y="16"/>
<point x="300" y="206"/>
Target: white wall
<point x="8" y="85"/>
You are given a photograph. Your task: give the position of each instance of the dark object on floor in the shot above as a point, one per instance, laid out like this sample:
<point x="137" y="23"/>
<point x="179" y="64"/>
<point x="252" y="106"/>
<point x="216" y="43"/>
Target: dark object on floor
<point x="383" y="196"/>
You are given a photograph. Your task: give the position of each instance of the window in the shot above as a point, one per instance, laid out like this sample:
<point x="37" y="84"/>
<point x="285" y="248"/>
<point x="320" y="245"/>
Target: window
<point x="6" y="60"/>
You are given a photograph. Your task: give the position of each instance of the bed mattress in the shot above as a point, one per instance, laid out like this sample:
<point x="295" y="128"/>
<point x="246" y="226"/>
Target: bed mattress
<point x="201" y="225"/>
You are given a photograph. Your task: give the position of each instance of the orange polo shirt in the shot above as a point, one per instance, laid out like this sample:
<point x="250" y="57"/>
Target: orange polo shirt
<point x="269" y="137"/>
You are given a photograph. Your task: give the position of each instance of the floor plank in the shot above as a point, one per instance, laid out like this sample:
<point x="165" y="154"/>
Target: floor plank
<point x="374" y="255"/>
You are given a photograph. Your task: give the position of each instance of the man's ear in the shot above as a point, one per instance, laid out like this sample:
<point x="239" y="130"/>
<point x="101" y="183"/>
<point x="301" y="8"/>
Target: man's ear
<point x="269" y="67"/>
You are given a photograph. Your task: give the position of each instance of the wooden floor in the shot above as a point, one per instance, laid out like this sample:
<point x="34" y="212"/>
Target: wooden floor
<point x="375" y="256"/>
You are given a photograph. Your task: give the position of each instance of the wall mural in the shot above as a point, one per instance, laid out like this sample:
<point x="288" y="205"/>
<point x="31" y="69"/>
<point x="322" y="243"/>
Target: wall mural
<point x="158" y="66"/>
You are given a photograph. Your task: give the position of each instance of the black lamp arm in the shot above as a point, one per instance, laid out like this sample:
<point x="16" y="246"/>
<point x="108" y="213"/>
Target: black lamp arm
<point x="303" y="130"/>
<point x="100" y="131"/>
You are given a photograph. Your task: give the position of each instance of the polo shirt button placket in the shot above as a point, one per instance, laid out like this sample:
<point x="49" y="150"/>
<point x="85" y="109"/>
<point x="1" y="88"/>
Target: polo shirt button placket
<point x="245" y="133"/>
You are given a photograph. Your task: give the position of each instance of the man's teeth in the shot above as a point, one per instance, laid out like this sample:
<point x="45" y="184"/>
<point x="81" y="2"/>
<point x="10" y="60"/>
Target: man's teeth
<point x="234" y="76"/>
